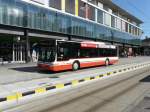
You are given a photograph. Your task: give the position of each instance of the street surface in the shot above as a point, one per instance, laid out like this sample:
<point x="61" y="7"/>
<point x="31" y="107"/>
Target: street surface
<point x="27" y="72"/>
<point x="120" y="93"/>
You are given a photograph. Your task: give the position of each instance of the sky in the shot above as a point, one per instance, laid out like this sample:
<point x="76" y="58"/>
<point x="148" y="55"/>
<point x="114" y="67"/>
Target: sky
<point x="140" y="9"/>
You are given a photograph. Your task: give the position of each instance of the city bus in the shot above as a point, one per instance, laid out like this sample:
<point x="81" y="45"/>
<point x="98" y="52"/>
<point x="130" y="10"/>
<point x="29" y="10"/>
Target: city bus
<point x="62" y="55"/>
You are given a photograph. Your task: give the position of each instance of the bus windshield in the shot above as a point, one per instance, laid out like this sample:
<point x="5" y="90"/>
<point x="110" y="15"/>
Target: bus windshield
<point x="47" y="54"/>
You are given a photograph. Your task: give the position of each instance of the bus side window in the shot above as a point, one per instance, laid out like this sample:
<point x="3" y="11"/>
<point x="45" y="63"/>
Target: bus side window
<point x="84" y="53"/>
<point x="100" y="52"/>
<point x="63" y="53"/>
<point x="73" y="52"/>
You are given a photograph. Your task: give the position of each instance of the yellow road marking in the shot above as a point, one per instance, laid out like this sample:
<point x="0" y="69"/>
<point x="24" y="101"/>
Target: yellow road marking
<point x="97" y="77"/>
<point x="58" y="86"/>
<point x="75" y="82"/>
<point x="11" y="97"/>
<point x="40" y="90"/>
<point x="87" y="79"/>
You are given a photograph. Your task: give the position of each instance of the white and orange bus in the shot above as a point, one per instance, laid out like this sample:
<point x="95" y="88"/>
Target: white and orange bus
<point x="70" y="55"/>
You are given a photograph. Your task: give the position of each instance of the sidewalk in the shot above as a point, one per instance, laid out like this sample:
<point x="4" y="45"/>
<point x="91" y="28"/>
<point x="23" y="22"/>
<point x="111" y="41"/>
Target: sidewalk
<point x="19" y="72"/>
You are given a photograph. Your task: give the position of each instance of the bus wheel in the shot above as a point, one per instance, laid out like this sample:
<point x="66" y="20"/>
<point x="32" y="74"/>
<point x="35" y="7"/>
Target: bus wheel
<point x="107" y="62"/>
<point x="75" y="66"/>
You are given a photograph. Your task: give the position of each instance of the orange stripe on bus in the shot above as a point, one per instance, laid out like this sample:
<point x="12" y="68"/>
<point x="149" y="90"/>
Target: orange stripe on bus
<point x="60" y="67"/>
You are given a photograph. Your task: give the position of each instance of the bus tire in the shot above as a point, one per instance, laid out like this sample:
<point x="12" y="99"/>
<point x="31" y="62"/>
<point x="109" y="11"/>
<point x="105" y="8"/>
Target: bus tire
<point x="75" y="66"/>
<point x="107" y="62"/>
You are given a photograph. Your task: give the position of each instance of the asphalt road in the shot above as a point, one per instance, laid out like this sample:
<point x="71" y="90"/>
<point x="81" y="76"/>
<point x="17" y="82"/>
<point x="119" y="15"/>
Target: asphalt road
<point x="116" y="94"/>
<point x="25" y="72"/>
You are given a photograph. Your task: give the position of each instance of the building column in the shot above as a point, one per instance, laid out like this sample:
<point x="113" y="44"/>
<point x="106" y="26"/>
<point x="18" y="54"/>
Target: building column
<point x="123" y="50"/>
<point x="96" y="14"/>
<point x="63" y="5"/>
<point x="21" y="53"/>
<point x="86" y="11"/>
<point x="76" y="7"/>
<point x="28" y="55"/>
<point x="118" y="54"/>
<point x="13" y="51"/>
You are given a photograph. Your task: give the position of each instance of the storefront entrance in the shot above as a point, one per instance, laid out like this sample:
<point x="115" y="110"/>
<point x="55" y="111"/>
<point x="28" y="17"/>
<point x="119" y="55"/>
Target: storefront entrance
<point x="12" y="50"/>
<point x="18" y="53"/>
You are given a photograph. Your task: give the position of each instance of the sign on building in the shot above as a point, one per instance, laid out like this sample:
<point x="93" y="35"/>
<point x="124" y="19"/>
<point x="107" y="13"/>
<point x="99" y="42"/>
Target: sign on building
<point x="44" y="2"/>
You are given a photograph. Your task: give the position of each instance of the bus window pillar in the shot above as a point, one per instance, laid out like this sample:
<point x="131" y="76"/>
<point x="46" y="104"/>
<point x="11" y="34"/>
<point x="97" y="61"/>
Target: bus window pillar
<point x="28" y="55"/>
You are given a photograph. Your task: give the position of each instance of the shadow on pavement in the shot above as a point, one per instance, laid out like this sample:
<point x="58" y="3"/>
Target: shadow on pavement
<point x="26" y="69"/>
<point x="33" y="69"/>
<point x="146" y="79"/>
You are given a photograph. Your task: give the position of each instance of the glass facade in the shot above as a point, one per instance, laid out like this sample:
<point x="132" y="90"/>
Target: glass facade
<point x="11" y="13"/>
<point x="18" y="13"/>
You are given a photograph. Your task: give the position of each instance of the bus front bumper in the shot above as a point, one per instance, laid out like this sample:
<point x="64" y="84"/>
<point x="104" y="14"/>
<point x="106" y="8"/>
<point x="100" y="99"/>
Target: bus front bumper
<point x="54" y="68"/>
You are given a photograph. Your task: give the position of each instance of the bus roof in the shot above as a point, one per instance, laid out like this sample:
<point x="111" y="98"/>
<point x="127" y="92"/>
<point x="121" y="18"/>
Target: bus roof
<point x="92" y="44"/>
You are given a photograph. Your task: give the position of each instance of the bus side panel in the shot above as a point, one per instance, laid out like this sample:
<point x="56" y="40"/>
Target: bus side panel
<point x="97" y="62"/>
<point x="60" y="67"/>
<point x="55" y="68"/>
<point x="90" y="64"/>
<point x="113" y="61"/>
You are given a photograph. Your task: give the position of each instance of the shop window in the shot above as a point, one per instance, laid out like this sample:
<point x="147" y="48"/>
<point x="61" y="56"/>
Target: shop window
<point x="130" y="29"/>
<point x="123" y="26"/>
<point x="118" y="24"/>
<point x="82" y="9"/>
<point x="107" y="19"/>
<point x="70" y="6"/>
<point x="90" y="13"/>
<point x="100" y="16"/>
<point x="113" y="21"/>
<point x="127" y="27"/>
<point x="136" y="32"/>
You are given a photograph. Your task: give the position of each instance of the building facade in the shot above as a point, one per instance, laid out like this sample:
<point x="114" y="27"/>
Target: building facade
<point x="25" y="23"/>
